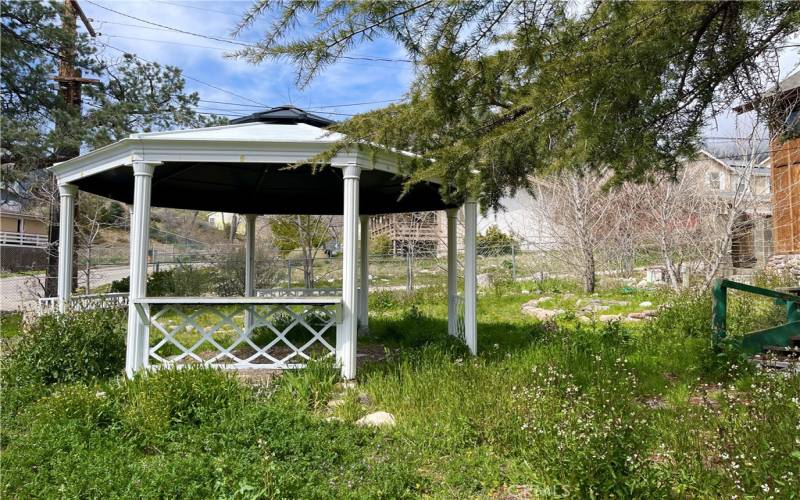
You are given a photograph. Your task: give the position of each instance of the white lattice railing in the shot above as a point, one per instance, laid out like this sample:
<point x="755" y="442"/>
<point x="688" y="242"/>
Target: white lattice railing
<point x="457" y="302"/>
<point x="239" y="332"/>
<point x="49" y="305"/>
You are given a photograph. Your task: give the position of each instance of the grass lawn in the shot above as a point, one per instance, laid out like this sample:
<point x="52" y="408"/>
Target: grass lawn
<point x="561" y="408"/>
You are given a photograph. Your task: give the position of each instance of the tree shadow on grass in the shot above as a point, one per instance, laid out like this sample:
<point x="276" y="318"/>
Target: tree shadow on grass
<point x="414" y="331"/>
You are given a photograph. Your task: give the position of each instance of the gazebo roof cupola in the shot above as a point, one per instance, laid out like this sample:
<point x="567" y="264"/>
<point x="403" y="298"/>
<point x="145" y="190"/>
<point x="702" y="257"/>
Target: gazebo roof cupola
<point x="286" y="114"/>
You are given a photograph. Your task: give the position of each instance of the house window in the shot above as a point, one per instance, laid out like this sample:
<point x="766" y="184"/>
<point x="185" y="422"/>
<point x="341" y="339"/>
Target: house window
<point x="714" y="180"/>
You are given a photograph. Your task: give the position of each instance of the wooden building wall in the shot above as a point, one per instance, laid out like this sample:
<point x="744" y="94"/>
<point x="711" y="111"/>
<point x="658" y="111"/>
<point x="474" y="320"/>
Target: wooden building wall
<point x="786" y="196"/>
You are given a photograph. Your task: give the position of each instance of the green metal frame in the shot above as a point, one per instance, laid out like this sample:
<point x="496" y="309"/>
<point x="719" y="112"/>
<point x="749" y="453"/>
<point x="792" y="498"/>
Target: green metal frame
<point x="754" y="342"/>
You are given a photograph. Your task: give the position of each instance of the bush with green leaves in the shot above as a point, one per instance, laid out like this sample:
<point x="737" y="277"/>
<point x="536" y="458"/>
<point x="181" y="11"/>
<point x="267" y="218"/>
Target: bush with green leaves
<point x="71" y="347"/>
<point x="183" y="281"/>
<point x="495" y="242"/>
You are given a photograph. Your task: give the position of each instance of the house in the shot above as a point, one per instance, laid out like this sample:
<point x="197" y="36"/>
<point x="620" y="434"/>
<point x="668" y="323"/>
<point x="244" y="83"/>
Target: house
<point x="23" y="235"/>
<point x="726" y="173"/>
<point x="782" y="107"/>
<point x="420" y="233"/>
<point x="222" y="220"/>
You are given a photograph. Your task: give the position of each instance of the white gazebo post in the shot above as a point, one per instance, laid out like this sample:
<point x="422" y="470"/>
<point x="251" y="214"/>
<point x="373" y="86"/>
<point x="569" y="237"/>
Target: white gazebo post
<point x="347" y="330"/>
<point x="66" y="231"/>
<point x="137" y="348"/>
<point x="470" y="275"/>
<point x="249" y="267"/>
<point x="363" y="296"/>
<point x="452" y="271"/>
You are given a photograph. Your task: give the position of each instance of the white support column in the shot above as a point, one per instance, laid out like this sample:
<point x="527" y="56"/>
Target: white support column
<point x="66" y="231"/>
<point x="137" y="347"/>
<point x="363" y="296"/>
<point x="470" y="275"/>
<point x="452" y="271"/>
<point x="249" y="266"/>
<point x="347" y="329"/>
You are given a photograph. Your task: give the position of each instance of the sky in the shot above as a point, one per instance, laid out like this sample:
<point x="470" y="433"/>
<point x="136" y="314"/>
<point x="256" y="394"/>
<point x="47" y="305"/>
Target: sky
<point x="234" y="87"/>
<point x="336" y="90"/>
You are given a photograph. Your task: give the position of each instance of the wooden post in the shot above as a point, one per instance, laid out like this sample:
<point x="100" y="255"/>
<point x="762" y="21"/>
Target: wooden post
<point x="66" y="233"/>
<point x="347" y="330"/>
<point x="470" y="275"/>
<point x="249" y="268"/>
<point x="452" y="271"/>
<point x="363" y="296"/>
<point x="137" y="347"/>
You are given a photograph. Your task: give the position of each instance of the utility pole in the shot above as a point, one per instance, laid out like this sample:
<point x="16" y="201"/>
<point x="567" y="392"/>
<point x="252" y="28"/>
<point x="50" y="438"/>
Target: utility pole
<point x="69" y="87"/>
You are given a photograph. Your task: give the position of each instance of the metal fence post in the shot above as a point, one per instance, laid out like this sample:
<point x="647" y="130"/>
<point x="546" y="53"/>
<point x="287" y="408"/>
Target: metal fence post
<point x="513" y="263"/>
<point x="719" y="296"/>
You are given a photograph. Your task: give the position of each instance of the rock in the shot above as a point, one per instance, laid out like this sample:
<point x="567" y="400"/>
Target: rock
<point x="584" y="319"/>
<point x="332" y="419"/>
<point x="595" y="308"/>
<point x="364" y="399"/>
<point x="345" y="385"/>
<point x="642" y="314"/>
<point x="484" y="279"/>
<point x="333" y="403"/>
<point x="525" y="292"/>
<point x="609" y="317"/>
<point x="377" y="419"/>
<point x="531" y="308"/>
<point x="646" y="303"/>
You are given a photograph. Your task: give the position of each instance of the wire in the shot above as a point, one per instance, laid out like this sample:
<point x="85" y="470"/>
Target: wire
<point x="209" y="37"/>
<point x="231" y="41"/>
<point x="188" y="77"/>
<point x="197" y="8"/>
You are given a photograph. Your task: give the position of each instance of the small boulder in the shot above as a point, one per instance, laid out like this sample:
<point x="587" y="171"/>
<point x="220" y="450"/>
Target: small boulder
<point x="333" y="403"/>
<point x="646" y="303"/>
<point x="609" y="317"/>
<point x="377" y="419"/>
<point x="364" y="399"/>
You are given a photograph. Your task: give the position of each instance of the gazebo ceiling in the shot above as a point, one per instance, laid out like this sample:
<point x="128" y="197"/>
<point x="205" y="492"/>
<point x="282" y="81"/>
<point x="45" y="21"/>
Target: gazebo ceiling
<point x="242" y="168"/>
<point x="264" y="189"/>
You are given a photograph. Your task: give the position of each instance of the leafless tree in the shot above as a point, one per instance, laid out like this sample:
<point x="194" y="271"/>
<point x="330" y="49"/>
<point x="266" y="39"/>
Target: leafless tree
<point x="574" y="210"/>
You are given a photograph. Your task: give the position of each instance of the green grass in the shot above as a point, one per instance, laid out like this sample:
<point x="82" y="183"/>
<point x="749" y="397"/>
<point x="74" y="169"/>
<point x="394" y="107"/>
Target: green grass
<point x="10" y="325"/>
<point x="546" y="409"/>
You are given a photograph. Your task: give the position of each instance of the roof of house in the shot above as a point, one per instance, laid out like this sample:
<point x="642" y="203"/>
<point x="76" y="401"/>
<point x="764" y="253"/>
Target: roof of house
<point x="790" y="84"/>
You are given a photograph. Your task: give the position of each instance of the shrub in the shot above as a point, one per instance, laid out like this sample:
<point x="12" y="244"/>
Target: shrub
<point x="184" y="281"/>
<point x="70" y="347"/>
<point x="380" y="245"/>
<point x="494" y="242"/>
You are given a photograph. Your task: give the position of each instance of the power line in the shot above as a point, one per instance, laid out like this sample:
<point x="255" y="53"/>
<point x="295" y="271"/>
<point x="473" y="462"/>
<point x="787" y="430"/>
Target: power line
<point x="209" y="37"/>
<point x="197" y="8"/>
<point x="231" y="41"/>
<point x="188" y="77"/>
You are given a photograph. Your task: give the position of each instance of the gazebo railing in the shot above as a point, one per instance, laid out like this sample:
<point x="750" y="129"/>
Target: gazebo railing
<point x="276" y="332"/>
<point x="89" y="302"/>
<point x="298" y="292"/>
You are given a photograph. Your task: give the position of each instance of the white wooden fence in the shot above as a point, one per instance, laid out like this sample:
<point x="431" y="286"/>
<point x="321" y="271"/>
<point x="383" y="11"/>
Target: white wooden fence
<point x="239" y="332"/>
<point x="8" y="238"/>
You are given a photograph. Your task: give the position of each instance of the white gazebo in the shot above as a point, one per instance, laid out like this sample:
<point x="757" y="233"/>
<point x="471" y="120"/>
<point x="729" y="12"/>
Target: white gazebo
<point x="242" y="168"/>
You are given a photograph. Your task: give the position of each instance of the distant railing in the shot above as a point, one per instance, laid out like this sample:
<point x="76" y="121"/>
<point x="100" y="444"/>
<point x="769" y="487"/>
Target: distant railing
<point x="49" y="305"/>
<point x="23" y="240"/>
<point x="298" y="292"/>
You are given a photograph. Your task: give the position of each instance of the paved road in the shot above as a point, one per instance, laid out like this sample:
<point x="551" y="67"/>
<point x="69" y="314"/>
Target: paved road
<point x="19" y="292"/>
